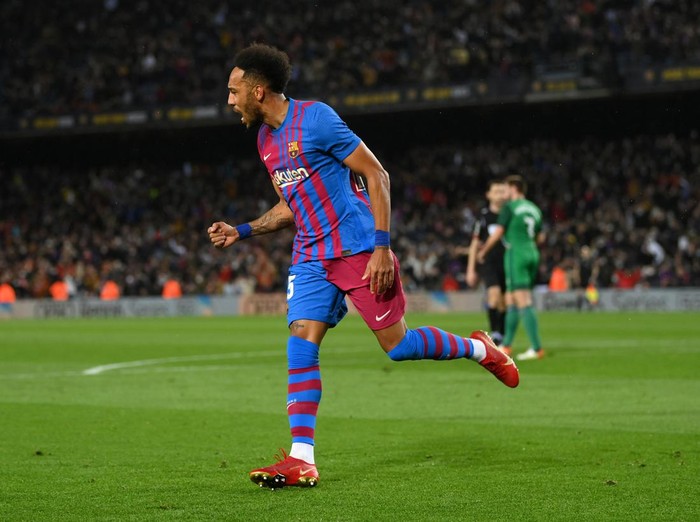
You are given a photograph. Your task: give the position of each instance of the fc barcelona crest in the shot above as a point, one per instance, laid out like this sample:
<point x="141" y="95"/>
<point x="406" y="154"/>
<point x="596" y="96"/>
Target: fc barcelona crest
<point x="293" y="149"/>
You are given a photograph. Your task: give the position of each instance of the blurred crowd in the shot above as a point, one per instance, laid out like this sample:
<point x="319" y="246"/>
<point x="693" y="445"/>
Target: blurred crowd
<point x="103" y="55"/>
<point x="618" y="213"/>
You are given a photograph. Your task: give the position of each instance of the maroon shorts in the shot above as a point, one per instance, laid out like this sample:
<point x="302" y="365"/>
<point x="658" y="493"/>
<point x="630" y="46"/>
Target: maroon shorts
<point x="317" y="289"/>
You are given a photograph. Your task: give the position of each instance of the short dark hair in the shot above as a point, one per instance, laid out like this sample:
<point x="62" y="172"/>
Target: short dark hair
<point x="265" y="63"/>
<point x="518" y="182"/>
<point x="494" y="181"/>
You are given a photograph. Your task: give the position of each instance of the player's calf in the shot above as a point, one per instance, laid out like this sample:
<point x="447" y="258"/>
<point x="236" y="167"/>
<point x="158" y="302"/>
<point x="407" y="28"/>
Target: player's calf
<point x="428" y="342"/>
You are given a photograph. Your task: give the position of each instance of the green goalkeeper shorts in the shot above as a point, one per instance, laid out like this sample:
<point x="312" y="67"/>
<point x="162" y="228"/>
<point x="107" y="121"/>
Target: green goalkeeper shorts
<point x="521" y="266"/>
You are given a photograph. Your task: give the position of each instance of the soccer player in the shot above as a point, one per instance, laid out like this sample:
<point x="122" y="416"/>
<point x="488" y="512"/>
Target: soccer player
<point x="520" y="225"/>
<point x="491" y="271"/>
<point x="341" y="247"/>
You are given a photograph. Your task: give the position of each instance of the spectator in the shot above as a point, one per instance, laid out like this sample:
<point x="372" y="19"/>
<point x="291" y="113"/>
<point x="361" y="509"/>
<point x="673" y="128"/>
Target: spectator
<point x="172" y="289"/>
<point x="59" y="290"/>
<point x="110" y="291"/>
<point x="7" y="294"/>
<point x="558" y="281"/>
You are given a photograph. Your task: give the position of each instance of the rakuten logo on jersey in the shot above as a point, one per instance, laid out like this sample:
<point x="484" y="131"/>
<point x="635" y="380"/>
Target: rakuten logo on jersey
<point x="287" y="177"/>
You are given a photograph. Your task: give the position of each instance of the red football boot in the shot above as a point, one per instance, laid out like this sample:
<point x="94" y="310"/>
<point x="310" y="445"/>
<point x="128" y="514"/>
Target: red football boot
<point x="287" y="472"/>
<point x="497" y="362"/>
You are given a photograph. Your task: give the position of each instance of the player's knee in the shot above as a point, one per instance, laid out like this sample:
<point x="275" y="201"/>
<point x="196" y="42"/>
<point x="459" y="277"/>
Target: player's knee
<point x="494" y="296"/>
<point x="312" y="331"/>
<point x="301" y="353"/>
<point x="523" y="298"/>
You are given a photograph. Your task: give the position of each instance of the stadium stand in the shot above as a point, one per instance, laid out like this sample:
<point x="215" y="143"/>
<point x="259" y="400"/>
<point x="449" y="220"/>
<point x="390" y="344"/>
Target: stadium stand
<point x="122" y="54"/>
<point x="620" y="213"/>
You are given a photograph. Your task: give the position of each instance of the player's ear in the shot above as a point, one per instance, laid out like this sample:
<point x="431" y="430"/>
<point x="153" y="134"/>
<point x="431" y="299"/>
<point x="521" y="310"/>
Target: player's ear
<point x="259" y="92"/>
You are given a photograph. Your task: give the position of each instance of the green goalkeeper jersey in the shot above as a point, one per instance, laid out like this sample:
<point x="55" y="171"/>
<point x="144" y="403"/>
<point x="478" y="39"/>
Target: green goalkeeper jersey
<point x="522" y="221"/>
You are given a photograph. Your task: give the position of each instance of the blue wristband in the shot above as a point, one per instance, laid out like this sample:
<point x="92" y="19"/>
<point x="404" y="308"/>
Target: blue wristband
<point x="244" y="230"/>
<point x="381" y="238"/>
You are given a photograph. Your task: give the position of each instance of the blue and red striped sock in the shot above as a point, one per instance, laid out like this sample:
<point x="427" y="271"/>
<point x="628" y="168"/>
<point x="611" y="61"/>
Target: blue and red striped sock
<point x="428" y="342"/>
<point x="303" y="395"/>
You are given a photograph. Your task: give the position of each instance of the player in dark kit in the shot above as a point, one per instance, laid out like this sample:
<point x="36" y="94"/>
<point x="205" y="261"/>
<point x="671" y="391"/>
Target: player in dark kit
<point x="491" y="271"/>
<point x="520" y="226"/>
<point x="341" y="247"/>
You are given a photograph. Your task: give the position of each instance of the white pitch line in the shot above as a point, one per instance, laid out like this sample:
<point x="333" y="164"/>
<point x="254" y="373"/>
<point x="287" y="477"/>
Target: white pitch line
<point x="177" y="369"/>
<point x="134" y="365"/>
<point x="96" y="370"/>
<point x="9" y="376"/>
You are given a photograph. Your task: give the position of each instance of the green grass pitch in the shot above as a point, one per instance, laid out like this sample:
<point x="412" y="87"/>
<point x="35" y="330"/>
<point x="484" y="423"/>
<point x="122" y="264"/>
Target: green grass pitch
<point x="606" y="428"/>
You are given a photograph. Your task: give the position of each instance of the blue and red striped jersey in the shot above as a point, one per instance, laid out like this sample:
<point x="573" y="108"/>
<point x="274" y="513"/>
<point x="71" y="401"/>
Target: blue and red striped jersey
<point x="304" y="157"/>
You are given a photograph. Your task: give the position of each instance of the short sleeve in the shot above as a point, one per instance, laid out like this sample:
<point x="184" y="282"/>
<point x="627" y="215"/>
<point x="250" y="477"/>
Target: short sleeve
<point x="332" y="133"/>
<point x="504" y="216"/>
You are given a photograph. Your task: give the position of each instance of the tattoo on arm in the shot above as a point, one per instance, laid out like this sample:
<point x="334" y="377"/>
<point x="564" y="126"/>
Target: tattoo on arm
<point x="277" y="218"/>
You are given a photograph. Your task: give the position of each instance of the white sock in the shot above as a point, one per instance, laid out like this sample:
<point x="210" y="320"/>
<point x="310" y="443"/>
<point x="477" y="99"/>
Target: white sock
<point x="479" y="350"/>
<point x="303" y="451"/>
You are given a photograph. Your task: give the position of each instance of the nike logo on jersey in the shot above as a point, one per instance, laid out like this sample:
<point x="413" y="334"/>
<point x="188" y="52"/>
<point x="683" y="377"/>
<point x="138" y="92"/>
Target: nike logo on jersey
<point x="267" y="156"/>
<point x="382" y="317"/>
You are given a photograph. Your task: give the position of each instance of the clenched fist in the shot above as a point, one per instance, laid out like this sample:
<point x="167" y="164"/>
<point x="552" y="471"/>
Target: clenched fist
<point x="222" y="235"/>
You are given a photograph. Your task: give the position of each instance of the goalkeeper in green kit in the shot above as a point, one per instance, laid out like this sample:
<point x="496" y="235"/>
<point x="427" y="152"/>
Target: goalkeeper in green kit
<point x="520" y="227"/>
